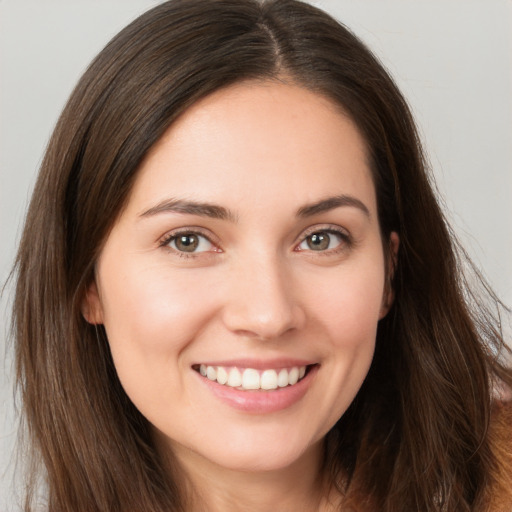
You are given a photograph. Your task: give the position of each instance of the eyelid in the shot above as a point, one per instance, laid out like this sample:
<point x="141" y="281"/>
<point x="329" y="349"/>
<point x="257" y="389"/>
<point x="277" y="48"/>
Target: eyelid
<point x="334" y="228"/>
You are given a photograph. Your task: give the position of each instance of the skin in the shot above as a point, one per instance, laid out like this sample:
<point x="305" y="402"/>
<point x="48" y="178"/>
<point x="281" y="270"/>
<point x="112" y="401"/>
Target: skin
<point x="255" y="290"/>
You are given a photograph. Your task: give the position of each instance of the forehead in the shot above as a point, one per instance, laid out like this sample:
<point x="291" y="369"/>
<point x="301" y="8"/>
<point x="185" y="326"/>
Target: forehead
<point x="270" y="138"/>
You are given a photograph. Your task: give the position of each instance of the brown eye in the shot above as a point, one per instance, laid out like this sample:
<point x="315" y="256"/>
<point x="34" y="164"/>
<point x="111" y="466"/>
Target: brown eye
<point x="322" y="241"/>
<point x="190" y="243"/>
<point x="187" y="243"/>
<point x="318" y="241"/>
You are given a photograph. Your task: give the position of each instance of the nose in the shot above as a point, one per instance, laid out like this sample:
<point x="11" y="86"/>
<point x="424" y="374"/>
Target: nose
<point x="261" y="301"/>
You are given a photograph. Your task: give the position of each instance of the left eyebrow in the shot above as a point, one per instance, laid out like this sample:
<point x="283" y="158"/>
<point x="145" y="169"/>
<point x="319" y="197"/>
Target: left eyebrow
<point x="192" y="208"/>
<point x="331" y="203"/>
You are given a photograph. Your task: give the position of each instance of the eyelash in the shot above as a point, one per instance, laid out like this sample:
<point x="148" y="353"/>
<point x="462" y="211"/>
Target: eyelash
<point x="168" y="238"/>
<point x="346" y="241"/>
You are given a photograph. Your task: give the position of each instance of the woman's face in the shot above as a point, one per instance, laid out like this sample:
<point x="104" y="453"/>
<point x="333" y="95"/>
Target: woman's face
<point x="248" y="256"/>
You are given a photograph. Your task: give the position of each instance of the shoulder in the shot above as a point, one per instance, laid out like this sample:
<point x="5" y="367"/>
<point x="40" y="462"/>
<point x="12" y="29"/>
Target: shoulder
<point x="500" y="432"/>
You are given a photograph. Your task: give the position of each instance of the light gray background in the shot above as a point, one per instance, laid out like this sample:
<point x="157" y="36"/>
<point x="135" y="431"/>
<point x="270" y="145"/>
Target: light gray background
<point x="452" y="59"/>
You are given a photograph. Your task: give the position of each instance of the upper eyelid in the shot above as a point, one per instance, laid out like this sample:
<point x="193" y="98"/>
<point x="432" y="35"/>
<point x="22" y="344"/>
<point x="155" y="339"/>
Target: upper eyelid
<point x="322" y="227"/>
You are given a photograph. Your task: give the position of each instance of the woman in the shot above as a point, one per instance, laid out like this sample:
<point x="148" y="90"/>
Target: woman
<point x="236" y="288"/>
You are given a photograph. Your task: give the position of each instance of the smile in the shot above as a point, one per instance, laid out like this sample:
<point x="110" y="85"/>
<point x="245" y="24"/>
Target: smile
<point x="251" y="379"/>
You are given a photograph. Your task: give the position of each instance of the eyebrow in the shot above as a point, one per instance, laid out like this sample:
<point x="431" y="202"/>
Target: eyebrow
<point x="331" y="203"/>
<point x="192" y="208"/>
<point x="214" y="211"/>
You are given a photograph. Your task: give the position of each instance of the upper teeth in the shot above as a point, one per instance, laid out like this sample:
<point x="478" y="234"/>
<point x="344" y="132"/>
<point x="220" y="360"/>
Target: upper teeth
<point x="250" y="378"/>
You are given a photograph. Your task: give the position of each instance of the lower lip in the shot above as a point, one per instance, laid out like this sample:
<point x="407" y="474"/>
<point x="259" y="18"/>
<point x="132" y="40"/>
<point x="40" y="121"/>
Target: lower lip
<point x="261" y="401"/>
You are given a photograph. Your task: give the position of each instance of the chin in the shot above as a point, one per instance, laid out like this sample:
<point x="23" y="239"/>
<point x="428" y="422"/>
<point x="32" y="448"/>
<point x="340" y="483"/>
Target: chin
<point x="246" y="453"/>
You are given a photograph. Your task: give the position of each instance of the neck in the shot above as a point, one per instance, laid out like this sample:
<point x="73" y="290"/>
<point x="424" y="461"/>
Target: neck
<point x="299" y="487"/>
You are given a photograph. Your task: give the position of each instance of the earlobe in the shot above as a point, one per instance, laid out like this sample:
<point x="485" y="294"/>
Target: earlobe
<point x="392" y="259"/>
<point x="91" y="305"/>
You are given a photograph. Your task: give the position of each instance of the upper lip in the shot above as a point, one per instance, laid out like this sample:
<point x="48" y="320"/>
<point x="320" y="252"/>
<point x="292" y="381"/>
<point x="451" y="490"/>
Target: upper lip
<point x="258" y="364"/>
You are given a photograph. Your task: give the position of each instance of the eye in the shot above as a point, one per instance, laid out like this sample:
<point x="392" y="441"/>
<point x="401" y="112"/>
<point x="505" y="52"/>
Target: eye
<point x="322" y="241"/>
<point x="189" y="242"/>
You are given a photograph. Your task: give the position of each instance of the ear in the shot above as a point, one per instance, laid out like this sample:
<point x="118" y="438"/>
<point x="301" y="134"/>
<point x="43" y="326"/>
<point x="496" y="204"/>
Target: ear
<point x="392" y="258"/>
<point x="92" y="310"/>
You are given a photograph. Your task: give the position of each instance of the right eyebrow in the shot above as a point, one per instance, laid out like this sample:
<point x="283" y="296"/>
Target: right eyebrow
<point x="192" y="208"/>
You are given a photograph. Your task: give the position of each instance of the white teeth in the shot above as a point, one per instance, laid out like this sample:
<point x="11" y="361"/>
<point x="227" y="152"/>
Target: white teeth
<point x="211" y="373"/>
<point x="293" y="376"/>
<point x="222" y="375"/>
<point x="250" y="378"/>
<point x="268" y="379"/>
<point x="282" y="378"/>
<point x="235" y="378"/>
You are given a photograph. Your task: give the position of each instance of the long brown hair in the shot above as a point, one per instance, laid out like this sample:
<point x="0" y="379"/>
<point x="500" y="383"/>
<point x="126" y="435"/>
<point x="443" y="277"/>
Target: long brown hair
<point x="415" y="437"/>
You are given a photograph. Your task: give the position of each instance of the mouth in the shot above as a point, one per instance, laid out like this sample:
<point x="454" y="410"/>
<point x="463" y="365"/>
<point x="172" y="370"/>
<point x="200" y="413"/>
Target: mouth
<point x="251" y="379"/>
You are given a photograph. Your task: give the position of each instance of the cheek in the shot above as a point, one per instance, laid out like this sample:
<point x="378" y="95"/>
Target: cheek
<point x="350" y="302"/>
<point x="150" y="320"/>
<point x="151" y="308"/>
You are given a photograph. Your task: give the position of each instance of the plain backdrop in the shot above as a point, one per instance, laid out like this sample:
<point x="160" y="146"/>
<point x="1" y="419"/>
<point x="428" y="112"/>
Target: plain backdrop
<point x="451" y="58"/>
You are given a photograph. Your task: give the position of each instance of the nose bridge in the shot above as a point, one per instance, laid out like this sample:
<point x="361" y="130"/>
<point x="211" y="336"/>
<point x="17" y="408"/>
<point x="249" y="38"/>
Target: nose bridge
<point x="261" y="302"/>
